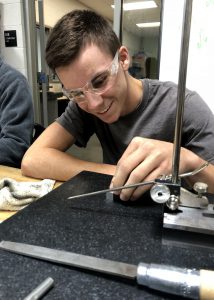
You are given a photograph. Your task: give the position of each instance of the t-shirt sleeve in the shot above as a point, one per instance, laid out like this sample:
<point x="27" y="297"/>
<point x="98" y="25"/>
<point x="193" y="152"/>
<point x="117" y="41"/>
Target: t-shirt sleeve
<point x="198" y="127"/>
<point x="78" y="123"/>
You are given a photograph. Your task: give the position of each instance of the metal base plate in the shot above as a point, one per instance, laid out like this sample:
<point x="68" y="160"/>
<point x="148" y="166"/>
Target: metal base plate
<point x="190" y="219"/>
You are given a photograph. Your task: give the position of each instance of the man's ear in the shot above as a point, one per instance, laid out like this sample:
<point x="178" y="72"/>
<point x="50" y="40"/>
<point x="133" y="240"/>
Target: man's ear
<point x="124" y="58"/>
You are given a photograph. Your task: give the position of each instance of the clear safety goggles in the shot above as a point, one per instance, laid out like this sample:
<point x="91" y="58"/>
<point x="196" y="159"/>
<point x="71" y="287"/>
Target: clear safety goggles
<point x="98" y="85"/>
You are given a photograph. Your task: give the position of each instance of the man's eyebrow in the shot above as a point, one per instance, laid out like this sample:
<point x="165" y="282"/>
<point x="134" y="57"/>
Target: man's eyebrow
<point x="99" y="74"/>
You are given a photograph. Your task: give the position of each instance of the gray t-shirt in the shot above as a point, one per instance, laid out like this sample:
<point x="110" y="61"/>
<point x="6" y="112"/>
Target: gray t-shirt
<point x="154" y="118"/>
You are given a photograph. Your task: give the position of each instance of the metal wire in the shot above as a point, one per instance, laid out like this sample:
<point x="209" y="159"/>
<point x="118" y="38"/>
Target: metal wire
<point x="129" y="186"/>
<point x="196" y="171"/>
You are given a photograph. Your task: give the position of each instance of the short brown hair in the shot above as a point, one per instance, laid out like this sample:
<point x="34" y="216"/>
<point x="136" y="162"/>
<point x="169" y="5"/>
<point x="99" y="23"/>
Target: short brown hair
<point x="73" y="32"/>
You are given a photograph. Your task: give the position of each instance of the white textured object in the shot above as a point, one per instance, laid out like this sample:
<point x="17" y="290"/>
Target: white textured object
<point x="16" y="195"/>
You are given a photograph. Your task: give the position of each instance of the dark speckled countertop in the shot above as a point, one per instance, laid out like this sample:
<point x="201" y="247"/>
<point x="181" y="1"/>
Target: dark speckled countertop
<point x="96" y="226"/>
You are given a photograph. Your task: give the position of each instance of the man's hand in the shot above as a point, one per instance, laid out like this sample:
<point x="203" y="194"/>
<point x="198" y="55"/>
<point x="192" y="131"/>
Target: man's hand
<point x="145" y="160"/>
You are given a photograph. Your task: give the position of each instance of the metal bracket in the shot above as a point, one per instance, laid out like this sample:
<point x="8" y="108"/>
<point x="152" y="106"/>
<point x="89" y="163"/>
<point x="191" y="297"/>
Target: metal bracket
<point x="194" y="214"/>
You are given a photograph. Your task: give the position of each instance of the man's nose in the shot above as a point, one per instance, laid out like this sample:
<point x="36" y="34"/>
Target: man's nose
<point x="94" y="101"/>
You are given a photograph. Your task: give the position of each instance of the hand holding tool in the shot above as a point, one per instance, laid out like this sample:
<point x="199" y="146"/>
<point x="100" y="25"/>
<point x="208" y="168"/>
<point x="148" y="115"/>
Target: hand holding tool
<point x="119" y="188"/>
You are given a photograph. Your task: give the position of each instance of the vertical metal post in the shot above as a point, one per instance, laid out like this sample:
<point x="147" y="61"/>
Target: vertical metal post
<point x="118" y="18"/>
<point x="43" y="65"/>
<point x="181" y="88"/>
<point x="31" y="53"/>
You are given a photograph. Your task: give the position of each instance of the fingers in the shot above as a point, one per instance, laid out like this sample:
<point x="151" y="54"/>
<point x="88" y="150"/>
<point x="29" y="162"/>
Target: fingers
<point x="130" y="161"/>
<point x="144" y="160"/>
<point x="139" y="191"/>
<point x="145" y="171"/>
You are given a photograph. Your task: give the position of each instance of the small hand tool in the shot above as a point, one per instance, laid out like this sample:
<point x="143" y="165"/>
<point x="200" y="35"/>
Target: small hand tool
<point x="119" y="188"/>
<point x="162" y="188"/>
<point x="41" y="289"/>
<point x="188" y="283"/>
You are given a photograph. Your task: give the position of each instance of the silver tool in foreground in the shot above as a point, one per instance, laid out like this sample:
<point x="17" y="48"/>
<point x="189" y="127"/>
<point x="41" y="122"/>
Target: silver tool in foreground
<point x="188" y="283"/>
<point x="41" y="289"/>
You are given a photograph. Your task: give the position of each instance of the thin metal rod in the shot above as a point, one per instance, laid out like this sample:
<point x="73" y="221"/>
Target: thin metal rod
<point x="181" y="88"/>
<point x="41" y="289"/>
<point x="128" y="186"/>
<point x="31" y="52"/>
<point x="43" y="65"/>
<point x="196" y="171"/>
<point x="113" y="189"/>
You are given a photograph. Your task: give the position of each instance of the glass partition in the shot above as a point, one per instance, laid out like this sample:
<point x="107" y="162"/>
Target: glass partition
<point x="141" y="35"/>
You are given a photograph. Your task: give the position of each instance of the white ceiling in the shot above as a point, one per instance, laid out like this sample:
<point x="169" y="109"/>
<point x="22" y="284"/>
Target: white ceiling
<point x="130" y="18"/>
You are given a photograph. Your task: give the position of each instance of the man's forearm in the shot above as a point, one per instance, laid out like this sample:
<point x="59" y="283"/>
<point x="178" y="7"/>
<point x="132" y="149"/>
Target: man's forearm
<point x="54" y="164"/>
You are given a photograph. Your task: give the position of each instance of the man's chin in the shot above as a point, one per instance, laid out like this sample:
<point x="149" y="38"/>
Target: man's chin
<point x="110" y="116"/>
<point x="108" y="119"/>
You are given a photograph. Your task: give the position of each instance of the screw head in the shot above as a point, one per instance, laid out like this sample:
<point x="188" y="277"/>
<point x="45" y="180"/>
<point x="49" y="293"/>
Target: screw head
<point x="200" y="187"/>
<point x="173" y="202"/>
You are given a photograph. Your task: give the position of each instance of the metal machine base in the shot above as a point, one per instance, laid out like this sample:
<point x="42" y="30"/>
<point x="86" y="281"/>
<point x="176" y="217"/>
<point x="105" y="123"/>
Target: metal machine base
<point x="195" y="214"/>
<point x="190" y="219"/>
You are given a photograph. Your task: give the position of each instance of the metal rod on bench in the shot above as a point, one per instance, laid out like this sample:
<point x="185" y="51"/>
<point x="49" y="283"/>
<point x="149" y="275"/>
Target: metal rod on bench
<point x="181" y="88"/>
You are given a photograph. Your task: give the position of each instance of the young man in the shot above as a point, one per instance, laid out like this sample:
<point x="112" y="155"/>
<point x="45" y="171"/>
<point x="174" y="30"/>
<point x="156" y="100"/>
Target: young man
<point x="16" y="116"/>
<point x="133" y="119"/>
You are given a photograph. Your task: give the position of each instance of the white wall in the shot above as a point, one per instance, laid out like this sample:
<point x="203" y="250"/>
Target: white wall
<point x="201" y="49"/>
<point x="171" y="40"/>
<point x="12" y="19"/>
<point x="200" y="73"/>
<point x="55" y="9"/>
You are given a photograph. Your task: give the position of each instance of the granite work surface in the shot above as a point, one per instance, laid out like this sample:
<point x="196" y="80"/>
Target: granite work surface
<point x="96" y="226"/>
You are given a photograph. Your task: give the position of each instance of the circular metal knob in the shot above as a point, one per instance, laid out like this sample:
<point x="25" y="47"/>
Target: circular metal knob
<point x="173" y="202"/>
<point x="160" y="193"/>
<point x="200" y="188"/>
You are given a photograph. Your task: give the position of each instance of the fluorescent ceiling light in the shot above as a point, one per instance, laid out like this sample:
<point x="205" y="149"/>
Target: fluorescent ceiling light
<point x="151" y="24"/>
<point x="138" y="5"/>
